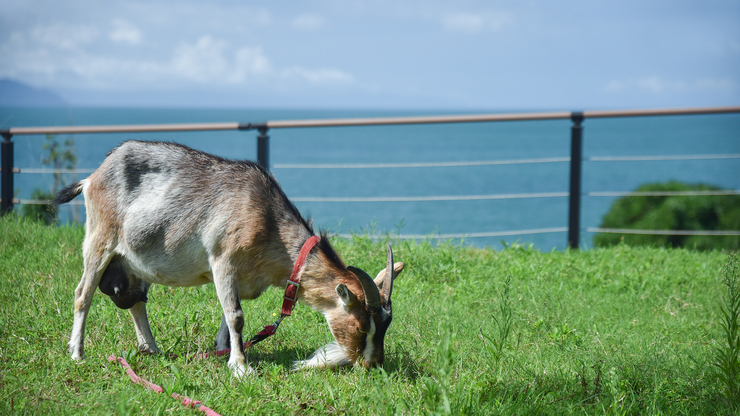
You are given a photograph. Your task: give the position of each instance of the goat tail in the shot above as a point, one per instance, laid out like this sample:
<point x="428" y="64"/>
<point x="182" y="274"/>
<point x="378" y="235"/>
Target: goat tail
<point x="69" y="193"/>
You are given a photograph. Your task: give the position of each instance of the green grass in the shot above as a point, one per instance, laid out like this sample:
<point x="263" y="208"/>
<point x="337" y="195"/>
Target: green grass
<point x="606" y="331"/>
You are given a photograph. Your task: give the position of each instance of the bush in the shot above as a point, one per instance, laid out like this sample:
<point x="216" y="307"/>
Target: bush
<point x="59" y="156"/>
<point x="45" y="213"/>
<point x="693" y="213"/>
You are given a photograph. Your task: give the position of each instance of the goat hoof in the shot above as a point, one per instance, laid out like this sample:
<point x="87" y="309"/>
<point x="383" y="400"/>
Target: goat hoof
<point x="241" y="371"/>
<point x="149" y="349"/>
<point x="77" y="354"/>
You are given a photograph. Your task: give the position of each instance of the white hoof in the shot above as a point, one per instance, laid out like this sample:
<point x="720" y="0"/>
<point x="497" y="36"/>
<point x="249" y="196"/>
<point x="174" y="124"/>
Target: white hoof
<point x="78" y="354"/>
<point x="149" y="349"/>
<point x="242" y="371"/>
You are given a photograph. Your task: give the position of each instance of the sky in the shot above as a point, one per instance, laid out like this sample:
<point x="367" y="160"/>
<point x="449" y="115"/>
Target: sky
<point x="377" y="54"/>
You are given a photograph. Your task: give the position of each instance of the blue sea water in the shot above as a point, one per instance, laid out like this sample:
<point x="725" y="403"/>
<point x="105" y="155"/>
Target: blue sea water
<point x="646" y="136"/>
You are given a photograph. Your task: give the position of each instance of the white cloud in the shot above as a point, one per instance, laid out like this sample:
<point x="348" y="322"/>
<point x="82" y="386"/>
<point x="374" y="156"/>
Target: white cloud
<point x="202" y="61"/>
<point x="614" y="86"/>
<point x="125" y="32"/>
<point x="319" y="77"/>
<point x="62" y="36"/>
<point x="214" y="61"/>
<point x="44" y="57"/>
<point x="308" y="22"/>
<point x="659" y="85"/>
<point x="477" y="22"/>
<point x="251" y="61"/>
<point x="722" y="84"/>
<point x="464" y="22"/>
<point x="656" y="85"/>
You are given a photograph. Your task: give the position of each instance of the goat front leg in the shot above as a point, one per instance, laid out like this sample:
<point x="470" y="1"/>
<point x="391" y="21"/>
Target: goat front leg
<point x="143" y="332"/>
<point x="226" y="289"/>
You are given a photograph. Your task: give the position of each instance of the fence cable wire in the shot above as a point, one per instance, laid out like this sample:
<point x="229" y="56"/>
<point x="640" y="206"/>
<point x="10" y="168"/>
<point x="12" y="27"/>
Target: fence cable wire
<point x="721" y="192"/>
<point x="662" y="232"/>
<point x="660" y="158"/>
<point x="428" y="198"/>
<point x="437" y="164"/>
<point x="727" y="192"/>
<point x="468" y="235"/>
<point x="420" y="165"/>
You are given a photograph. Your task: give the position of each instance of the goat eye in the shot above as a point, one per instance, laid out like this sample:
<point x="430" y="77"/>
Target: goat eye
<point x="361" y="331"/>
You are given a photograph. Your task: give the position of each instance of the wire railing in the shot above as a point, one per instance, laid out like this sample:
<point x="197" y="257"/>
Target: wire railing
<point x="575" y="161"/>
<point x="419" y="165"/>
<point x="660" y="158"/>
<point x="491" y="234"/>
<point x="711" y="233"/>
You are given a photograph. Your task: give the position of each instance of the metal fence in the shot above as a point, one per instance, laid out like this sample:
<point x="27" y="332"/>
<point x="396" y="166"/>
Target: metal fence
<point x="575" y="160"/>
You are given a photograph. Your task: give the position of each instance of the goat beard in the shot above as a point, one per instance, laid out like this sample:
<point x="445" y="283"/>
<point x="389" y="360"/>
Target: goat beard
<point x="329" y="356"/>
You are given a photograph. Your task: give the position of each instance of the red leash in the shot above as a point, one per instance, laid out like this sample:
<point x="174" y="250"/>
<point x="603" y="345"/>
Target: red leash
<point x="289" y="301"/>
<point x="186" y="401"/>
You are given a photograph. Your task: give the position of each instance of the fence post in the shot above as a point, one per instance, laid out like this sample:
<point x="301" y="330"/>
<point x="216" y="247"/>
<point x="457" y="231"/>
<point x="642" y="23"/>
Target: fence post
<point x="576" y="152"/>
<point x="6" y="191"/>
<point x="263" y="148"/>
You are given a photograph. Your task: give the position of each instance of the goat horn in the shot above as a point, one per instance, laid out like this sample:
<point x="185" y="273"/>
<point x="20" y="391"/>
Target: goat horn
<point x="388" y="280"/>
<point x="372" y="294"/>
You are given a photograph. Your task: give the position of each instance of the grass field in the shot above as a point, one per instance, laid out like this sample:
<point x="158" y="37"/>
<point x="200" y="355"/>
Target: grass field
<point x="605" y="331"/>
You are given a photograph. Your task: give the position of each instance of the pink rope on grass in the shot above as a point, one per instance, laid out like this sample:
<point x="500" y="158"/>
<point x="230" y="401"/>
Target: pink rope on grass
<point x="186" y="401"/>
<point x="289" y="301"/>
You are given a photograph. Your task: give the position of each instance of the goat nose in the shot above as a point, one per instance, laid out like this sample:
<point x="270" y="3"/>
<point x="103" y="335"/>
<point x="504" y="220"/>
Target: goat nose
<point x="369" y="364"/>
<point x="375" y="362"/>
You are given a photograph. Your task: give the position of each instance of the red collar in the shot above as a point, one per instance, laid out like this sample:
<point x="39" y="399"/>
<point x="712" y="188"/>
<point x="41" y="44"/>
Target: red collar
<point x="291" y="292"/>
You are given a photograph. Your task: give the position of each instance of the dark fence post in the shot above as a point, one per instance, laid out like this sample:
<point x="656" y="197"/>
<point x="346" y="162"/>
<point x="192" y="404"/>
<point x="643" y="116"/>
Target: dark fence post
<point x="6" y="193"/>
<point x="263" y="148"/>
<point x="576" y="152"/>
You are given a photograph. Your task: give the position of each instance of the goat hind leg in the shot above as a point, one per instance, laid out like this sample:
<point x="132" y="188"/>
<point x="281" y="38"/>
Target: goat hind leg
<point x="223" y="339"/>
<point x="143" y="331"/>
<point x="95" y="263"/>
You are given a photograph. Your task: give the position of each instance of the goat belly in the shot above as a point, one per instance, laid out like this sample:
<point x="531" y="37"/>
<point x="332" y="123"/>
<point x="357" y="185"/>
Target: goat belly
<point x="184" y="264"/>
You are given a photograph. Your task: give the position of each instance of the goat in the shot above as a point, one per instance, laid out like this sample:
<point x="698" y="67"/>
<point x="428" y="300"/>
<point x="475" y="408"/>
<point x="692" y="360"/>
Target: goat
<point x="167" y="214"/>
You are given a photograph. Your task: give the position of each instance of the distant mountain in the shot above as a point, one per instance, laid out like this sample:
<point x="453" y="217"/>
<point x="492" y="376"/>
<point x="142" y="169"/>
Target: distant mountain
<point x="14" y="93"/>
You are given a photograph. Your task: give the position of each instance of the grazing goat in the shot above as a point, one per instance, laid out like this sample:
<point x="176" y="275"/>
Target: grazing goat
<point x="167" y="214"/>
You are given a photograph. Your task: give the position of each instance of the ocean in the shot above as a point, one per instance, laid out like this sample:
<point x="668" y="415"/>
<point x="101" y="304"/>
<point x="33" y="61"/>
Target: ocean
<point x="315" y="190"/>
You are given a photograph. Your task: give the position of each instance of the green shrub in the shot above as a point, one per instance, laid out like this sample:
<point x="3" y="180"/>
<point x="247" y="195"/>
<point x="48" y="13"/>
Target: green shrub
<point x="45" y="213"/>
<point x="58" y="156"/>
<point x="693" y="213"/>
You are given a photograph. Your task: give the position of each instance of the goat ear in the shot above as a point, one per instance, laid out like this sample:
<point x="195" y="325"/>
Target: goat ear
<point x="345" y="295"/>
<point x="384" y="280"/>
<point x="369" y="288"/>
<point x="397" y="269"/>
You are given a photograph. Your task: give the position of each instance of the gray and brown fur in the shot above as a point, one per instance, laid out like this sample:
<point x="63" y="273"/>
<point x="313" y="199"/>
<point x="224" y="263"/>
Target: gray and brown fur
<point x="162" y="213"/>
